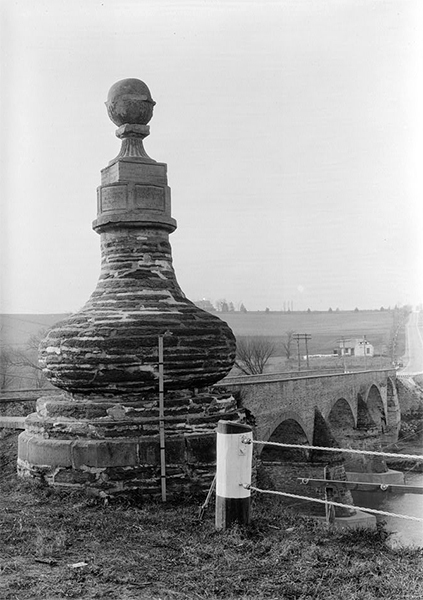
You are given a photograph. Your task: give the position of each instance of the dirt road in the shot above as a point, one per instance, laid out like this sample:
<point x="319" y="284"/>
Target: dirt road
<point x="413" y="359"/>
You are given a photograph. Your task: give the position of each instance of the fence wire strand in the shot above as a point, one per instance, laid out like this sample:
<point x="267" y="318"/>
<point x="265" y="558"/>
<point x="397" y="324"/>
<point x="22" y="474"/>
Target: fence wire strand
<point x="318" y="500"/>
<point x="353" y="507"/>
<point x="328" y="449"/>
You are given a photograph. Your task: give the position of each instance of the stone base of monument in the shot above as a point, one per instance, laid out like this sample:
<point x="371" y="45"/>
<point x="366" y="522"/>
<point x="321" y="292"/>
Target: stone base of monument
<point x="390" y="476"/>
<point x="108" y="446"/>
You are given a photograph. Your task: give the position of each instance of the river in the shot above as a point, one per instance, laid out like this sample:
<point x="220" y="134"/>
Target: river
<point x="404" y="533"/>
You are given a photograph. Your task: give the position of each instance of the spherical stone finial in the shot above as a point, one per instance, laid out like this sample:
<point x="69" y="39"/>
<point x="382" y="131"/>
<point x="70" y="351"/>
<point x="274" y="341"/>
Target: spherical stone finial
<point x="129" y="101"/>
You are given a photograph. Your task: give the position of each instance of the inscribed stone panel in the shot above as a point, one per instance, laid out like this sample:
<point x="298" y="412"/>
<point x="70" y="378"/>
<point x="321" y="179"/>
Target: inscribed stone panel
<point x="150" y="197"/>
<point x="113" y="198"/>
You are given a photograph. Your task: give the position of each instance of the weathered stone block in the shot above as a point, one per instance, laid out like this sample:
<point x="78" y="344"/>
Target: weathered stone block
<point x="149" y="451"/>
<point x="129" y="171"/>
<point x="201" y="448"/>
<point x="175" y="450"/>
<point x="40" y="451"/>
<point x="73" y="477"/>
<point x="102" y="454"/>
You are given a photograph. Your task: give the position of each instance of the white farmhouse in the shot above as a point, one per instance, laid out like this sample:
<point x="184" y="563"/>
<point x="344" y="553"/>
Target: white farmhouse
<point x="354" y="347"/>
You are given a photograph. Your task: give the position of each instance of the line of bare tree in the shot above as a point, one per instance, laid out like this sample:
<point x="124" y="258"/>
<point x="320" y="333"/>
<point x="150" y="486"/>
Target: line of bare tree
<point x="254" y="352"/>
<point x="19" y="366"/>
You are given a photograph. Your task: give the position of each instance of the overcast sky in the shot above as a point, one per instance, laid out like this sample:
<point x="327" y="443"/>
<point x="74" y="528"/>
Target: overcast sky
<point x="292" y="130"/>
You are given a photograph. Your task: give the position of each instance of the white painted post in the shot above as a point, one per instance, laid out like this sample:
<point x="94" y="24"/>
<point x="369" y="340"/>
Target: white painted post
<point x="233" y="471"/>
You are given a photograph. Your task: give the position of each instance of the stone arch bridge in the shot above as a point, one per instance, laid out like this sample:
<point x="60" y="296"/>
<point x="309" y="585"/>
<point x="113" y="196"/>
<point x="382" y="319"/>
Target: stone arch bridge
<point x="357" y="409"/>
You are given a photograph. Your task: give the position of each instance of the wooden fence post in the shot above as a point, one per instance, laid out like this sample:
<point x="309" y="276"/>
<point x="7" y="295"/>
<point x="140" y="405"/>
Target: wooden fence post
<point x="329" y="508"/>
<point x="233" y="470"/>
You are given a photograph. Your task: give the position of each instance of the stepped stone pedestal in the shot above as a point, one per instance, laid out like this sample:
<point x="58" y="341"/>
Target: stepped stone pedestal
<point x="101" y="431"/>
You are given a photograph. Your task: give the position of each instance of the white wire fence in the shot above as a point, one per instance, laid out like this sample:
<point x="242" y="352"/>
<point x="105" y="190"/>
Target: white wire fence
<point x="329" y="483"/>
<point x="332" y="449"/>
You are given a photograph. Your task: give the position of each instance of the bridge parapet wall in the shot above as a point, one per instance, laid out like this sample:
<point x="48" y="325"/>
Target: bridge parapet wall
<point x="272" y="401"/>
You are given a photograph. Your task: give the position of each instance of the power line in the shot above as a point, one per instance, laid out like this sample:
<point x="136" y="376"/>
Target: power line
<point x="306" y="337"/>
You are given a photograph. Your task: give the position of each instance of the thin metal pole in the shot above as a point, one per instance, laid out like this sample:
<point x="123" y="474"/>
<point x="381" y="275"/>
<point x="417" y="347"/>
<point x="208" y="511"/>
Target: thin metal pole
<point x="207" y="500"/>
<point x="365" y="357"/>
<point x="343" y="354"/>
<point x="298" y="351"/>
<point x="161" y="422"/>
<point x="305" y="339"/>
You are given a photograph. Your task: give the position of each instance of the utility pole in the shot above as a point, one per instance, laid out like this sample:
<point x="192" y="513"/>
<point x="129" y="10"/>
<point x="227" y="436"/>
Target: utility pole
<point x="297" y="337"/>
<point x="342" y="340"/>
<point x="305" y="337"/>
<point x="365" y="350"/>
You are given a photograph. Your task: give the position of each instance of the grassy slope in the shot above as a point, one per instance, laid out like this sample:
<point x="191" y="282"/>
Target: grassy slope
<point x="165" y="552"/>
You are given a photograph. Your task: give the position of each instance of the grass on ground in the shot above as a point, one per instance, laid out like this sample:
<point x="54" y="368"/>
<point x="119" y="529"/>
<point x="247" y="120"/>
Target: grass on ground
<point x="135" y="551"/>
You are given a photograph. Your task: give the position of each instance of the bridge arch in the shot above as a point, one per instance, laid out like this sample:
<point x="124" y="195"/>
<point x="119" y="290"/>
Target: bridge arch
<point x="341" y="415"/>
<point x="341" y="421"/>
<point x="280" y="468"/>
<point x="376" y="408"/>
<point x="371" y="422"/>
<point x="290" y="429"/>
<point x="340" y="405"/>
<point x="286" y="415"/>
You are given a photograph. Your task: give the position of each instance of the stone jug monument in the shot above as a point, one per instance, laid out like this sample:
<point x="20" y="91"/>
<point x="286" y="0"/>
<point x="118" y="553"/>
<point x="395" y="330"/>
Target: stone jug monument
<point x="101" y="431"/>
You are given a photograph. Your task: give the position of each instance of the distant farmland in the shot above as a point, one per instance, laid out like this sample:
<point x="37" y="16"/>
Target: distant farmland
<point x="325" y="328"/>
